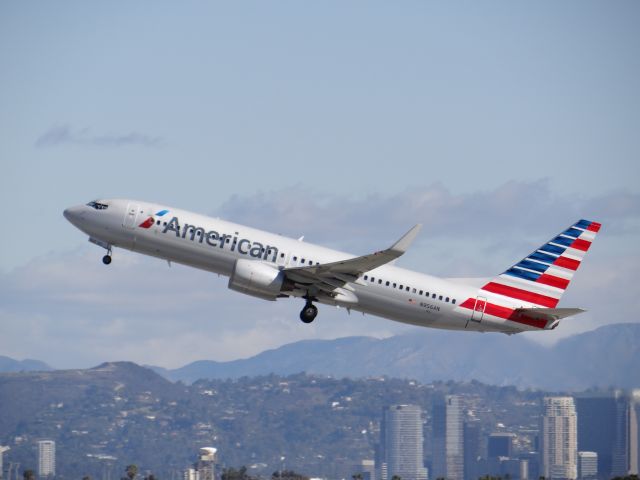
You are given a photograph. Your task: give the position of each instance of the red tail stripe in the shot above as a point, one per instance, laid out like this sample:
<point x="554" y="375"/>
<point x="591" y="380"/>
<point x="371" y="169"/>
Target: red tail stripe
<point x="594" y="227"/>
<point x="520" y="294"/>
<point x="553" y="281"/>
<point x="580" y="244"/>
<point x="505" y="313"/>
<point x="569" y="263"/>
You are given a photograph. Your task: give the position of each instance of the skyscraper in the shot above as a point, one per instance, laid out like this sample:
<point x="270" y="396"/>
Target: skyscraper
<point x="448" y="446"/>
<point x="608" y="425"/>
<point x="403" y="442"/>
<point x="500" y="445"/>
<point x="587" y="465"/>
<point x="2" y="450"/>
<point x="634" y="433"/>
<point x="46" y="458"/>
<point x="559" y="439"/>
<point x="471" y="447"/>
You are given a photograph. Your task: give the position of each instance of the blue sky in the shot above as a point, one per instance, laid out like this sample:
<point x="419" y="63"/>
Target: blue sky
<point x="494" y="123"/>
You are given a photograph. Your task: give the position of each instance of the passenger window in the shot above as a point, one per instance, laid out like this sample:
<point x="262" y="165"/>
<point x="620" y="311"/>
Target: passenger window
<point x="401" y="287"/>
<point x="295" y="259"/>
<point x="453" y="301"/>
<point x="310" y="262"/>
<point x="433" y="296"/>
<point x="282" y="255"/>
<point x="446" y="299"/>
<point x="440" y="298"/>
<point x="394" y="285"/>
<point x="366" y="277"/>
<point x="421" y="292"/>
<point x="379" y="281"/>
<point x="387" y="284"/>
<point x="373" y="279"/>
<point x="302" y="260"/>
<point x="408" y="288"/>
<point x="414" y="290"/>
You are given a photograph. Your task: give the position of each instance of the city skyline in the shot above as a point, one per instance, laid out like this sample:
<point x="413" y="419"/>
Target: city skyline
<point x="500" y="449"/>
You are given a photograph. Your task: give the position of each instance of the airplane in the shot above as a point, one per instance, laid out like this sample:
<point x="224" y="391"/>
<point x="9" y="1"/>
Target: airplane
<point x="269" y="266"/>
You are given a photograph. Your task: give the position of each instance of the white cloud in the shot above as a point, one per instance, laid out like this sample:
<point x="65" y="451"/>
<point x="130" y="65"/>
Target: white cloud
<point x="65" y="135"/>
<point x="70" y="310"/>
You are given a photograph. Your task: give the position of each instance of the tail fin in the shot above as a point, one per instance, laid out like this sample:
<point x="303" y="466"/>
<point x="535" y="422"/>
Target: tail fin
<point x="542" y="277"/>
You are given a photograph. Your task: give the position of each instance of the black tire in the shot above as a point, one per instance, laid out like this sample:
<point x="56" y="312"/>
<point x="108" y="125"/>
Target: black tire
<point x="106" y="259"/>
<point x="309" y="313"/>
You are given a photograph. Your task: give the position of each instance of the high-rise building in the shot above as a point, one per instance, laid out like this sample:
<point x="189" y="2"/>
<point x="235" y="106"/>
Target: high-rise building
<point x="530" y="461"/>
<point x="403" y="442"/>
<point x="448" y="442"/>
<point x="46" y="458"/>
<point x="500" y="445"/>
<point x="366" y="468"/>
<point x="471" y="448"/>
<point x="559" y="438"/>
<point x="634" y="433"/>
<point x="587" y="465"/>
<point x="608" y="425"/>
<point x="2" y="450"/>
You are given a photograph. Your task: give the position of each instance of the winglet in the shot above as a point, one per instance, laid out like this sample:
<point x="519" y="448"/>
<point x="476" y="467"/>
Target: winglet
<point x="407" y="239"/>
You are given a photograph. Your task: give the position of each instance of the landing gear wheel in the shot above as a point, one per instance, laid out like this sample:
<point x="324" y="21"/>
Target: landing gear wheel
<point x="106" y="259"/>
<point x="308" y="313"/>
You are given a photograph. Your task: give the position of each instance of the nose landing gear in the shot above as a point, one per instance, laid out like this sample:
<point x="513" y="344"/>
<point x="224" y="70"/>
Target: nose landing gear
<point x="107" y="258"/>
<point x="309" y="312"/>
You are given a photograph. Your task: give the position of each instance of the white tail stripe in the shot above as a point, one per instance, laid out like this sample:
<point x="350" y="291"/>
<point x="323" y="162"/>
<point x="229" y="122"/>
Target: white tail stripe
<point x="530" y="286"/>
<point x="560" y="272"/>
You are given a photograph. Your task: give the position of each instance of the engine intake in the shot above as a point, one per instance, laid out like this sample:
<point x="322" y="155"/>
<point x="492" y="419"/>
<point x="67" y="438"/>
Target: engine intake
<point x="255" y="278"/>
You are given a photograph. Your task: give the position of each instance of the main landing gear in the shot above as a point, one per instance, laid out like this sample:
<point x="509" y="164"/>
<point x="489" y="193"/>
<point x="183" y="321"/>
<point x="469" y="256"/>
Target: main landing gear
<point x="309" y="312"/>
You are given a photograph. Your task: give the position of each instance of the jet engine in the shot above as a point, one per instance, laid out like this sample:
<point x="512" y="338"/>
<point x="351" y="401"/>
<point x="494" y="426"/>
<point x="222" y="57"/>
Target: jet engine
<point x="255" y="278"/>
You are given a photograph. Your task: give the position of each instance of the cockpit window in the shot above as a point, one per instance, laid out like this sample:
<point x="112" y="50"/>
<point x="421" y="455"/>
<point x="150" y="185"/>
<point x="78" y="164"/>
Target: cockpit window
<point x="98" y="205"/>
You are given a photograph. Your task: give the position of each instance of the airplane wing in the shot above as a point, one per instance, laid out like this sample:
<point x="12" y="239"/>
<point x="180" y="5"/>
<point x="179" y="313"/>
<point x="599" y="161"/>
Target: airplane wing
<point x="328" y="277"/>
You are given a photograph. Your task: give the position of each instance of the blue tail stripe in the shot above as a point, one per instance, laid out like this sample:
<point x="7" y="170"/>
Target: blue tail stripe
<point x="543" y="257"/>
<point x="538" y="267"/>
<point x="572" y="232"/>
<point x="563" y="241"/>
<point x="516" y="272"/>
<point x="583" y="224"/>
<point x="553" y="249"/>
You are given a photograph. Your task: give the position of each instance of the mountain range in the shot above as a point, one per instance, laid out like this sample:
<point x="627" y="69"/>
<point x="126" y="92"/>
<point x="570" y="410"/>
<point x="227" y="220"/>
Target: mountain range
<point x="10" y="365"/>
<point x="605" y="357"/>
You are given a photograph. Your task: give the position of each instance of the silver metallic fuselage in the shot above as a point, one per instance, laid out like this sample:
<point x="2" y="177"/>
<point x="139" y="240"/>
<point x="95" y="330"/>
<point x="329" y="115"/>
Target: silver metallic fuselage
<point x="119" y="225"/>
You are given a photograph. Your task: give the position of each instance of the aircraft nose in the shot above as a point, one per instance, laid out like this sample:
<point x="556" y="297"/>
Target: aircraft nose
<point x="73" y="214"/>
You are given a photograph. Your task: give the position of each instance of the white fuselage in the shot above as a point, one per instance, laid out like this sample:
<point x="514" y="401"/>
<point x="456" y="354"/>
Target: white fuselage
<point x="215" y="245"/>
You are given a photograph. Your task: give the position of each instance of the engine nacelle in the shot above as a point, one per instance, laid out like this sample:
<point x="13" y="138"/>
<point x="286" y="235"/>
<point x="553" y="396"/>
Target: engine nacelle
<point x="256" y="278"/>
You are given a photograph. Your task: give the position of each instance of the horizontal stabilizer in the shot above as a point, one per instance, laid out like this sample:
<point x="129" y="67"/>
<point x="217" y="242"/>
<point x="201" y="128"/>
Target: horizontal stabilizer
<point x="549" y="314"/>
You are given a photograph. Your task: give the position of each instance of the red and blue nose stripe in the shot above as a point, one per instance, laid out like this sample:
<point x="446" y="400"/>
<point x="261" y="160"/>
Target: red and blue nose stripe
<point x="151" y="220"/>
